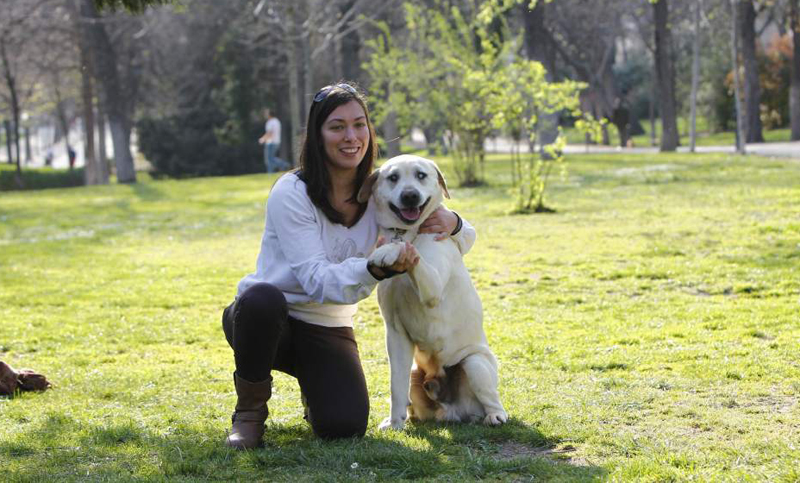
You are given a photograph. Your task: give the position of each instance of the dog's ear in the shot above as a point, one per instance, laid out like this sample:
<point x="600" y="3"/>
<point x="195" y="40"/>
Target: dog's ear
<point x="442" y="183"/>
<point x="366" y="188"/>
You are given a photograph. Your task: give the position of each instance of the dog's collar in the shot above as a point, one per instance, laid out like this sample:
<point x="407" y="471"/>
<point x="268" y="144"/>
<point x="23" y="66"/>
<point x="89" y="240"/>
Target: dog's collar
<point x="397" y="234"/>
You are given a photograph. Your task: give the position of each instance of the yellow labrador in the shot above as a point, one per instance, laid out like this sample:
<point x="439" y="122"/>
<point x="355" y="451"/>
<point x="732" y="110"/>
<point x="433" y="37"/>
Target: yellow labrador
<point x="433" y="315"/>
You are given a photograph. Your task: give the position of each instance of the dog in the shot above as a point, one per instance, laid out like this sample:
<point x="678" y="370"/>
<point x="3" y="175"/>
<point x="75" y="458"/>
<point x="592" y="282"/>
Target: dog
<point x="441" y="366"/>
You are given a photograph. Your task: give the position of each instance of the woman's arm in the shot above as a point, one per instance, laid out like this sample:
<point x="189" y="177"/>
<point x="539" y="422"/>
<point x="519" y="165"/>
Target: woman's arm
<point x="293" y="219"/>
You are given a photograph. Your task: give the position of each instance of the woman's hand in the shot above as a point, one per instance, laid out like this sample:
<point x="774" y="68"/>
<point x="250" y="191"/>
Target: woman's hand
<point x="408" y="259"/>
<point x="442" y="222"/>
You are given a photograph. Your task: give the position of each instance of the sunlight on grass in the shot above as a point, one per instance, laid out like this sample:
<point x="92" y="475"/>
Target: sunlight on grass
<point x="646" y="331"/>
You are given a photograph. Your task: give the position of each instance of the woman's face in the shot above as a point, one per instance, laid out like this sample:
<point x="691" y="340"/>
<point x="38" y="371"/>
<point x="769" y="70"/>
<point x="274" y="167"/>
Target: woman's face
<point x="346" y="137"/>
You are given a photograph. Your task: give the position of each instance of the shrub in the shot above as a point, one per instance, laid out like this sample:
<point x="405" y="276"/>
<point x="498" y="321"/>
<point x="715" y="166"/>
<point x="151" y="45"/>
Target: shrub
<point x="40" y="178"/>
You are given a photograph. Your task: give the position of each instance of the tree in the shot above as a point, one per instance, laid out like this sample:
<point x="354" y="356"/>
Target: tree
<point x="95" y="167"/>
<point x="119" y="77"/>
<point x="740" y="140"/>
<point x="695" y="75"/>
<point x="467" y="76"/>
<point x="752" y="90"/>
<point x="794" y="92"/>
<point x="202" y="115"/>
<point x="17" y="75"/>
<point x="666" y="76"/>
<point x="439" y="76"/>
<point x="539" y="47"/>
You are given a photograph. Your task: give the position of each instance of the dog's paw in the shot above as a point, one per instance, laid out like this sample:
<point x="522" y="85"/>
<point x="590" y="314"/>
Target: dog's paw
<point x="495" y="418"/>
<point x="386" y="255"/>
<point x="392" y="423"/>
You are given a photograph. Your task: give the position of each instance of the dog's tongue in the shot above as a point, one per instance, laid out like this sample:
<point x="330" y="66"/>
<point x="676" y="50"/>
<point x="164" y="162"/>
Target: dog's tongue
<point x="410" y="213"/>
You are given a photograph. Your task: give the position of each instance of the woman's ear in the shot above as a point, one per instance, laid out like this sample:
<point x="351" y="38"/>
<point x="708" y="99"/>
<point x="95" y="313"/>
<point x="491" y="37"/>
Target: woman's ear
<point x="366" y="189"/>
<point x="442" y="183"/>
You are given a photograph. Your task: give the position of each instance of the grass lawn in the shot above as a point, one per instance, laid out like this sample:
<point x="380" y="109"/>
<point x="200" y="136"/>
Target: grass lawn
<point x="647" y="331"/>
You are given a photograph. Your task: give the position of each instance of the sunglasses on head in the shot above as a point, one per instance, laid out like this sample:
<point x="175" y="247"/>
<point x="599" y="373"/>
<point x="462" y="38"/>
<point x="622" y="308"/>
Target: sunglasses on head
<point x="323" y="93"/>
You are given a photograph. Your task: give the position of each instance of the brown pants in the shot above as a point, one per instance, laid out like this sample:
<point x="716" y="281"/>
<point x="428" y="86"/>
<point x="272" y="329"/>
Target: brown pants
<point x="324" y="360"/>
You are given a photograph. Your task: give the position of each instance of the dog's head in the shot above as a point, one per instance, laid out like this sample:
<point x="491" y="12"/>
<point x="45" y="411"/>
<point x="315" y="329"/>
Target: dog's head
<point x="406" y="190"/>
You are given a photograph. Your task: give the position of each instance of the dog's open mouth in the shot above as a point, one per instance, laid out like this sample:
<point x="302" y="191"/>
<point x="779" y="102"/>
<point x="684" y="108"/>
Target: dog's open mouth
<point x="409" y="216"/>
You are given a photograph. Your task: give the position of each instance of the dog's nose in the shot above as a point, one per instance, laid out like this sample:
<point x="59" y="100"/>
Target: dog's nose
<point x="409" y="198"/>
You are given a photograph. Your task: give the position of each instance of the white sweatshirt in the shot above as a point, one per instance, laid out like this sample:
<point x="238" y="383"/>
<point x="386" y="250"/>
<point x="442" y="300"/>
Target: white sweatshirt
<point x="320" y="266"/>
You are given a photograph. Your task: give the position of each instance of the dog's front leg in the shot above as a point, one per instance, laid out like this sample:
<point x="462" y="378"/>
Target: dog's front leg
<point x="386" y="255"/>
<point x="401" y="355"/>
<point x="429" y="280"/>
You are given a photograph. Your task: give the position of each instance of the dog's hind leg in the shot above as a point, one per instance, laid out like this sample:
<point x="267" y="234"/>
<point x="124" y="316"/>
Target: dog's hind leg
<point x="481" y="371"/>
<point x="423" y="406"/>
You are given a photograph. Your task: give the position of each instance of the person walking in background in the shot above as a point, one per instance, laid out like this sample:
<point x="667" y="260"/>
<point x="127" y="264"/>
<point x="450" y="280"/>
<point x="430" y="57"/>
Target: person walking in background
<point x="71" y="155"/>
<point x="272" y="143"/>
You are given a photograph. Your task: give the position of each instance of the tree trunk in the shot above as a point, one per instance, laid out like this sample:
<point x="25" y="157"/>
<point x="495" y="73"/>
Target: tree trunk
<point x="9" y="142"/>
<point x="102" y="150"/>
<point x="350" y="46"/>
<point x="95" y="171"/>
<point x="121" y="136"/>
<point x="294" y="82"/>
<point x="666" y="77"/>
<point x="104" y="61"/>
<point x="308" y="75"/>
<point x="538" y="47"/>
<point x="651" y="108"/>
<point x="28" y="151"/>
<point x="752" y="87"/>
<point x="91" y="173"/>
<point x="794" y="93"/>
<point x="61" y="114"/>
<point x="391" y="135"/>
<point x="695" y="77"/>
<point x="740" y="145"/>
<point x="12" y="128"/>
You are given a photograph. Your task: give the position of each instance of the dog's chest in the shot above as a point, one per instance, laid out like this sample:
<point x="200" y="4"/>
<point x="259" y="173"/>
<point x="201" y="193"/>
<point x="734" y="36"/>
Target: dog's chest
<point x="424" y="325"/>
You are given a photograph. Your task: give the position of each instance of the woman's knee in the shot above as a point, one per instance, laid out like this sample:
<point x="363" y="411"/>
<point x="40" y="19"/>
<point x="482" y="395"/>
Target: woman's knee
<point x="227" y="324"/>
<point x="260" y="300"/>
<point x="337" y="424"/>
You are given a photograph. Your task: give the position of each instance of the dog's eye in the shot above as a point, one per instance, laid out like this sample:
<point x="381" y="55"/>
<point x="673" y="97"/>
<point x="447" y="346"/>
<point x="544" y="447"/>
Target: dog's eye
<point x="421" y="175"/>
<point x="393" y="178"/>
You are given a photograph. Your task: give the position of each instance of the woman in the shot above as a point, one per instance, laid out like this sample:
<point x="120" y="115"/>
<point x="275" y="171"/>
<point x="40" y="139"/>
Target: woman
<point x="294" y="314"/>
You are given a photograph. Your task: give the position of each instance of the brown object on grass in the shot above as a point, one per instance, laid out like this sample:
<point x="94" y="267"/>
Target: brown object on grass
<point x="32" y="381"/>
<point x="8" y="380"/>
<point x="24" y="380"/>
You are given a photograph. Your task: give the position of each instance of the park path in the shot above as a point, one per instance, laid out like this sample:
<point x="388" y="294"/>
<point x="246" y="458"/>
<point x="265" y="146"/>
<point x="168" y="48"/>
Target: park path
<point x="777" y="150"/>
<point x="789" y="150"/>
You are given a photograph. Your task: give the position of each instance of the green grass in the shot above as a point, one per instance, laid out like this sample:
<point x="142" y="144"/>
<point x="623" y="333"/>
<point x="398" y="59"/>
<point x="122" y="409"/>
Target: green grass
<point x="647" y="331"/>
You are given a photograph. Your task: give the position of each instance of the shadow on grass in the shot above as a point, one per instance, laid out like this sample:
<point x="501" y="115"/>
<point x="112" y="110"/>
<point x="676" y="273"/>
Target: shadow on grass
<point x="63" y="448"/>
<point x="147" y="192"/>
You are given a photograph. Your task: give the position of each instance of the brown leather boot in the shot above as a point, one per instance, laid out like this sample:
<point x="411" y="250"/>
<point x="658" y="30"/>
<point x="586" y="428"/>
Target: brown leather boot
<point x="251" y="412"/>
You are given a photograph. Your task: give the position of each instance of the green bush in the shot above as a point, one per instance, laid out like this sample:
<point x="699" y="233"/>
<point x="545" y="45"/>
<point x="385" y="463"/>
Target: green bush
<point x="187" y="145"/>
<point x="40" y="178"/>
<point x="216" y="134"/>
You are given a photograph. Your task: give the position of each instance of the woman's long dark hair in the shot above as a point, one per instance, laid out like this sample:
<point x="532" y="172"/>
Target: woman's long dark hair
<point x="313" y="170"/>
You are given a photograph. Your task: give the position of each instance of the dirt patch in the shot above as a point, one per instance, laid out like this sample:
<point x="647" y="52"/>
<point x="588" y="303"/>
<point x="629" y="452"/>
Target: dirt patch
<point x="512" y="449"/>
